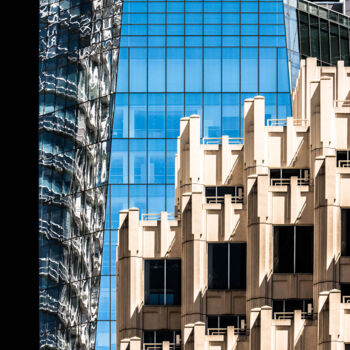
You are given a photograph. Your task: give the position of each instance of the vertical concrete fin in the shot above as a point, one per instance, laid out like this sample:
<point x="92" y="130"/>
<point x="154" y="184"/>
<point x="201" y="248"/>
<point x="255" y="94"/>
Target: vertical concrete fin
<point x="265" y="327"/>
<point x="259" y="130"/>
<point x="194" y="148"/>
<point x="225" y="159"/>
<point x="164" y="233"/>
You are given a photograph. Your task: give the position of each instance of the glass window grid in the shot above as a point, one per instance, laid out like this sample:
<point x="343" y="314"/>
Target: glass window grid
<point x="315" y="22"/>
<point x="183" y="37"/>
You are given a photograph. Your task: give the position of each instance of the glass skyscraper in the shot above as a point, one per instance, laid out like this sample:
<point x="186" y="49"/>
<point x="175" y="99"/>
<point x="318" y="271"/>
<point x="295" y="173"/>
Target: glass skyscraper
<point x="109" y="124"/>
<point x="78" y="51"/>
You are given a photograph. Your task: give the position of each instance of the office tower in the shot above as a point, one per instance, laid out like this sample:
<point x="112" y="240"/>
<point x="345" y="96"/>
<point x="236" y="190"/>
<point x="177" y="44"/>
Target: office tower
<point x="197" y="57"/>
<point x="179" y="58"/>
<point x="78" y="52"/>
<point x="257" y="256"/>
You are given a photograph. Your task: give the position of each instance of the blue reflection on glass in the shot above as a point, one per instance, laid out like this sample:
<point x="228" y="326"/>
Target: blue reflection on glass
<point x="270" y="106"/>
<point x="212" y="69"/>
<point x="284" y="106"/>
<point x="137" y="161"/>
<point x="138" y="69"/>
<point x="283" y="76"/>
<point x="193" y="69"/>
<point x="175" y="111"/>
<point x="119" y="201"/>
<point x="138" y="196"/>
<point x="106" y="257"/>
<point x="230" y="115"/>
<point x="119" y="162"/>
<point x="171" y="145"/>
<point x="156" y="69"/>
<point x="104" y="303"/>
<point x="113" y="298"/>
<point x="193" y="104"/>
<point x="211" y="115"/>
<point x="249" y="69"/>
<point x="102" y="335"/>
<point x="170" y="198"/>
<point x="175" y="69"/>
<point x="156" y="115"/>
<point x="114" y="235"/>
<point x="156" y="198"/>
<point x="138" y="115"/>
<point x="267" y="69"/>
<point x="156" y="161"/>
<point x="120" y="125"/>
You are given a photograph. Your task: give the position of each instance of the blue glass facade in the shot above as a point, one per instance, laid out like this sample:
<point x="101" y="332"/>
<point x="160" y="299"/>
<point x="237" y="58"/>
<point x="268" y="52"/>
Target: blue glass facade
<point x="179" y="58"/>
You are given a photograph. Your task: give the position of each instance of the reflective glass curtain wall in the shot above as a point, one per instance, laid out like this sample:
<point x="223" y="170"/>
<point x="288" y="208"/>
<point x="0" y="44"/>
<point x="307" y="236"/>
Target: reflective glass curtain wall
<point x="179" y="58"/>
<point x="78" y="49"/>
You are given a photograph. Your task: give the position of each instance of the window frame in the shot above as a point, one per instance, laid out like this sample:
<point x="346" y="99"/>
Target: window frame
<point x="165" y="282"/>
<point x="228" y="244"/>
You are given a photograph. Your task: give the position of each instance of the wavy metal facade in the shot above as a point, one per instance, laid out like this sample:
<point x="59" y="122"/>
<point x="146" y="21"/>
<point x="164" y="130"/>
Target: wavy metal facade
<point x="78" y="52"/>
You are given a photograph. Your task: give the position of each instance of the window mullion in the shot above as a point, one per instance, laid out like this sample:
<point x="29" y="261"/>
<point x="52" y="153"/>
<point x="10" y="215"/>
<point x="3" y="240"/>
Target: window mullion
<point x="295" y="253"/>
<point x="228" y="263"/>
<point x="164" y="281"/>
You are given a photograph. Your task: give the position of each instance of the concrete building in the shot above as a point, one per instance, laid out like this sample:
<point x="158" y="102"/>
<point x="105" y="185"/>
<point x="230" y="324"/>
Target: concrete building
<point x="257" y="255"/>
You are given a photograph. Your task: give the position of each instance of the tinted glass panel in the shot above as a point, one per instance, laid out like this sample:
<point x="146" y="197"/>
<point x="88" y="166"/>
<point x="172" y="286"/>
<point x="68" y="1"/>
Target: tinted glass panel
<point x="217" y="266"/>
<point x="345" y="232"/>
<point x="314" y="37"/>
<point x="237" y="265"/>
<point x="324" y="40"/>
<point x="304" y="33"/>
<point x="173" y="282"/>
<point x="304" y="249"/>
<point x="228" y="320"/>
<point x="334" y="43"/>
<point x="154" y="282"/>
<point x="282" y="252"/>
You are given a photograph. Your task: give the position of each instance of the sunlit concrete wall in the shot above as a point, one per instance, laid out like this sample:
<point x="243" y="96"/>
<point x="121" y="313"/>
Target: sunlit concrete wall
<point x="319" y="126"/>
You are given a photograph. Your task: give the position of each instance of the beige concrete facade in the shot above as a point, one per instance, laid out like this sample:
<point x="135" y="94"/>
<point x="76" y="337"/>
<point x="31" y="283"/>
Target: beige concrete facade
<point x="310" y="139"/>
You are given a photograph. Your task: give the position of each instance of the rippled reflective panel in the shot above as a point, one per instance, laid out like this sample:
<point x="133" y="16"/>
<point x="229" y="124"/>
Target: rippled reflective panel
<point x="78" y="50"/>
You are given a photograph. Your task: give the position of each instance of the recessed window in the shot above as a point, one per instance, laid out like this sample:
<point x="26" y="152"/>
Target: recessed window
<point x="163" y="282"/>
<point x="284" y="308"/>
<point x="227" y="265"/>
<point x="215" y="194"/>
<point x="216" y="324"/>
<point x="343" y="159"/>
<point x="150" y="338"/>
<point x="280" y="177"/>
<point x="345" y="232"/>
<point x="293" y="249"/>
<point x="345" y="292"/>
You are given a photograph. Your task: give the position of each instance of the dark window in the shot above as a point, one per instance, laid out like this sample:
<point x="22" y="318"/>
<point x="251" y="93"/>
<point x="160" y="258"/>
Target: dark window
<point x="345" y="232"/>
<point x="282" y="176"/>
<point x="324" y="40"/>
<point x="289" y="305"/>
<point x="304" y="249"/>
<point x="304" y="34"/>
<point x="158" y="336"/>
<point x="223" y="321"/>
<point x="163" y="282"/>
<point x="344" y="45"/>
<point x="314" y="37"/>
<point x="293" y="249"/>
<point x="216" y="194"/>
<point x="227" y="265"/>
<point x="173" y="282"/>
<point x="334" y="31"/>
<point x="343" y="159"/>
<point x="345" y="290"/>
